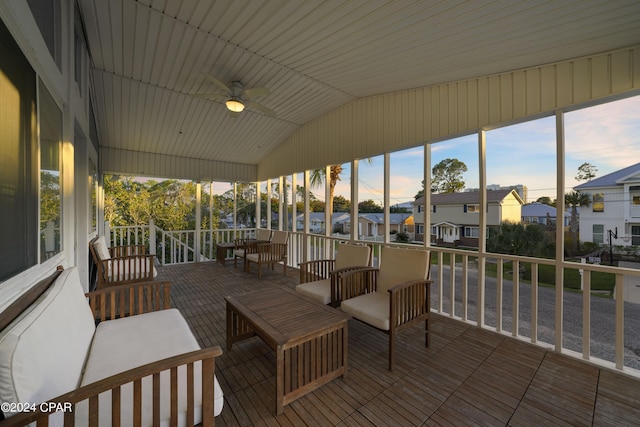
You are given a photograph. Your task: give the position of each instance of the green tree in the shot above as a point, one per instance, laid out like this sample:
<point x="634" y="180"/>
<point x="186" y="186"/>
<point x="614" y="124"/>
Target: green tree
<point x="49" y="197"/>
<point x="420" y="193"/>
<point x="586" y="172"/>
<point x="369" y="206"/>
<point x="546" y="200"/>
<point x="575" y="199"/>
<point x="520" y="239"/>
<point x="318" y="176"/>
<point x="173" y="204"/>
<point x="340" y="204"/>
<point x="447" y="176"/>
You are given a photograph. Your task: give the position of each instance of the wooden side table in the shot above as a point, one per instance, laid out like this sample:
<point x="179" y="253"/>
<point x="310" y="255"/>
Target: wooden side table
<point x="221" y="251"/>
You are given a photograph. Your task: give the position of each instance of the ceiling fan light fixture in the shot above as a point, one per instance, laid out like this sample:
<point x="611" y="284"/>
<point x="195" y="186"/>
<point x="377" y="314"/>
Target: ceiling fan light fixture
<point x="234" y="105"/>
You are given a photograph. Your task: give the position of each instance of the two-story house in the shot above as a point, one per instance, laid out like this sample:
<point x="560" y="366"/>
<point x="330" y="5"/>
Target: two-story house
<point x="455" y="216"/>
<point x="614" y="208"/>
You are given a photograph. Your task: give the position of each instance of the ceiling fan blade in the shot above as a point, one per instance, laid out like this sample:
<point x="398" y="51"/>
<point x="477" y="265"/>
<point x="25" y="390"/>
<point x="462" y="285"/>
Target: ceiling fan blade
<point x="261" y="108"/>
<point x="255" y="92"/>
<point x="217" y="82"/>
<point x="211" y="96"/>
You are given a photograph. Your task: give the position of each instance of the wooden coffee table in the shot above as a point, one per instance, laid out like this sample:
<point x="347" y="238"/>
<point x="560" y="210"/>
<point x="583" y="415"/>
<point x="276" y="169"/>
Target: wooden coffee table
<point x="310" y="339"/>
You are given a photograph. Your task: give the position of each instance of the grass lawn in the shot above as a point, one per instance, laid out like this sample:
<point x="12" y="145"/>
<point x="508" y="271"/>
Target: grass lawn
<point x="600" y="282"/>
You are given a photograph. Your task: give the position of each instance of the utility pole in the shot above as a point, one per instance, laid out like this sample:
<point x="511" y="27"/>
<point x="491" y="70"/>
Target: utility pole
<point x="612" y="235"/>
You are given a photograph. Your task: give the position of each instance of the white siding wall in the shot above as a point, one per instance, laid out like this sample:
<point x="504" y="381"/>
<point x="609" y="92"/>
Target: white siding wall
<point x="389" y="122"/>
<point x="122" y="161"/>
<point x="615" y="208"/>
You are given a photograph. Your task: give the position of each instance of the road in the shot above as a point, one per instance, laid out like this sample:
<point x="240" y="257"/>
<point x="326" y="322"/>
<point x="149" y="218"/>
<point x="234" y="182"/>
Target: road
<point x="602" y="315"/>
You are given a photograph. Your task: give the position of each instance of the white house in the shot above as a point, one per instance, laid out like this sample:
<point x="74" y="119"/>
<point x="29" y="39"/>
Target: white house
<point x="614" y="209"/>
<point x="317" y="222"/>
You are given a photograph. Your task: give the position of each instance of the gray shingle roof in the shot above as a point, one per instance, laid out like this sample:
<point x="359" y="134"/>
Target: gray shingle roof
<point x="610" y="179"/>
<point x="465" y="197"/>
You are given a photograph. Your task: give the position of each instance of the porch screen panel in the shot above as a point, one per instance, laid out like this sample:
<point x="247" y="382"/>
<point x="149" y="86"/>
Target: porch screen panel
<point x="18" y="160"/>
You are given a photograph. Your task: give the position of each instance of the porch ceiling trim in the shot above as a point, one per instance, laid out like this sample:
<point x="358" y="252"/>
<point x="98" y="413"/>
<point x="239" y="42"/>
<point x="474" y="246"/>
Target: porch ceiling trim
<point x="113" y="160"/>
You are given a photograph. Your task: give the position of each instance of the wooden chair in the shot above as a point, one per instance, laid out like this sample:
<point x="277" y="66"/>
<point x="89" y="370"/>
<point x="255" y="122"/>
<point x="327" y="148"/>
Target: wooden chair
<point x="320" y="279"/>
<point x="121" y="264"/>
<point x="240" y="249"/>
<point x="270" y="253"/>
<point x="393" y="297"/>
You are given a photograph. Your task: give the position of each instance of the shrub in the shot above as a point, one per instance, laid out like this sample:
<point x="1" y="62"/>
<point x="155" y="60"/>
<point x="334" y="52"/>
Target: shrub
<point x="402" y="237"/>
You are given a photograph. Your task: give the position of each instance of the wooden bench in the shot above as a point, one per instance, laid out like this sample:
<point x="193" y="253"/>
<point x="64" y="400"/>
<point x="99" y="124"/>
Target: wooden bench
<point x="140" y="365"/>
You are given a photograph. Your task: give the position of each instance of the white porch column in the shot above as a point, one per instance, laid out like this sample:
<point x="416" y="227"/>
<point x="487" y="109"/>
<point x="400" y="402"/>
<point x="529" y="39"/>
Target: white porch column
<point x="354" y="201"/>
<point x="426" y="207"/>
<point x="197" y="240"/>
<point x="560" y="152"/>
<point x="482" y="225"/>
<point x="280" y="202"/>
<point x="387" y="198"/>
<point x="269" y="194"/>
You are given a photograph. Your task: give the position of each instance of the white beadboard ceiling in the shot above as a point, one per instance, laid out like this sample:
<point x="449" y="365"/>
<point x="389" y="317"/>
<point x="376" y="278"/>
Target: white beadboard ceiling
<point x="148" y="56"/>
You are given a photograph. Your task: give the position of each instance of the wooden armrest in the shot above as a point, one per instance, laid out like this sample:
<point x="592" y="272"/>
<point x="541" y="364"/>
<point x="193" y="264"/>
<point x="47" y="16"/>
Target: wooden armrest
<point x="318" y="269"/>
<point x="409" y="301"/>
<point x="128" y="300"/>
<point x="114" y="383"/>
<point x="359" y="281"/>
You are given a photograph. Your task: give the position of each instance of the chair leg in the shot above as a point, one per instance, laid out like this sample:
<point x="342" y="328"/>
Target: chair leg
<point x="392" y="343"/>
<point x="426" y="332"/>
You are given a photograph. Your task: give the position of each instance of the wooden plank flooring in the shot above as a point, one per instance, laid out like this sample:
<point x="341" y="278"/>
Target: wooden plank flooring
<point x="468" y="376"/>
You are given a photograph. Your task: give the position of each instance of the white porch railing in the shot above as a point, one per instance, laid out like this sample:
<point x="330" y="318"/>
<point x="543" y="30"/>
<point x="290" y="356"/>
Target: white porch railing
<point x="485" y="290"/>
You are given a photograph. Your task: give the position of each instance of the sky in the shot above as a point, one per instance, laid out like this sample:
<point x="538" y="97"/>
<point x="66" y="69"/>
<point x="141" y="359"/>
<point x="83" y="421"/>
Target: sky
<point x="606" y="136"/>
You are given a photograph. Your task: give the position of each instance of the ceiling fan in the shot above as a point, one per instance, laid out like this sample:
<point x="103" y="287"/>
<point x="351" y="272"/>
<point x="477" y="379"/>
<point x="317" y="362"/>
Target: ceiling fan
<point x="236" y="97"/>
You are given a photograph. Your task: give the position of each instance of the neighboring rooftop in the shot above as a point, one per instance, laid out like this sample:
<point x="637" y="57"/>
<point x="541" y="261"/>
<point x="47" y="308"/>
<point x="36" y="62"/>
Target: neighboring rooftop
<point x="610" y="179"/>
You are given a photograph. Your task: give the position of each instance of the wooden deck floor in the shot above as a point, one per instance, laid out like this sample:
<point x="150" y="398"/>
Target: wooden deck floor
<point x="468" y="376"/>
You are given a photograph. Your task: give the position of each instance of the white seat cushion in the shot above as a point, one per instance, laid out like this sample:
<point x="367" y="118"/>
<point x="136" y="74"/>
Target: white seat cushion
<point x="43" y="351"/>
<point x="238" y="252"/>
<point x="319" y="290"/>
<point x="371" y="308"/>
<point x="139" y="340"/>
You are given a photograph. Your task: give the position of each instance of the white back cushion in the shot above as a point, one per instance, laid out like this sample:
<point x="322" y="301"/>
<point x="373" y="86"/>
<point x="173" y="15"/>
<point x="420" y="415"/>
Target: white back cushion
<point x="263" y="234"/>
<point x="43" y="351"/>
<point x="101" y="248"/>
<point x="279" y="236"/>
<point x="352" y="256"/>
<point x="399" y="265"/>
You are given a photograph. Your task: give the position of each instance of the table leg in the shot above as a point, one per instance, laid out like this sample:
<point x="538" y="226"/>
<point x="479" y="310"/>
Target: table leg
<point x="229" y="327"/>
<point x="279" y="380"/>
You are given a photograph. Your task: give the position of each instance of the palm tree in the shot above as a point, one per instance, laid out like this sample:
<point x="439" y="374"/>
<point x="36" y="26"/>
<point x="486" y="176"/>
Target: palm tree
<point x="317" y="178"/>
<point x="575" y="199"/>
<point x="318" y="175"/>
